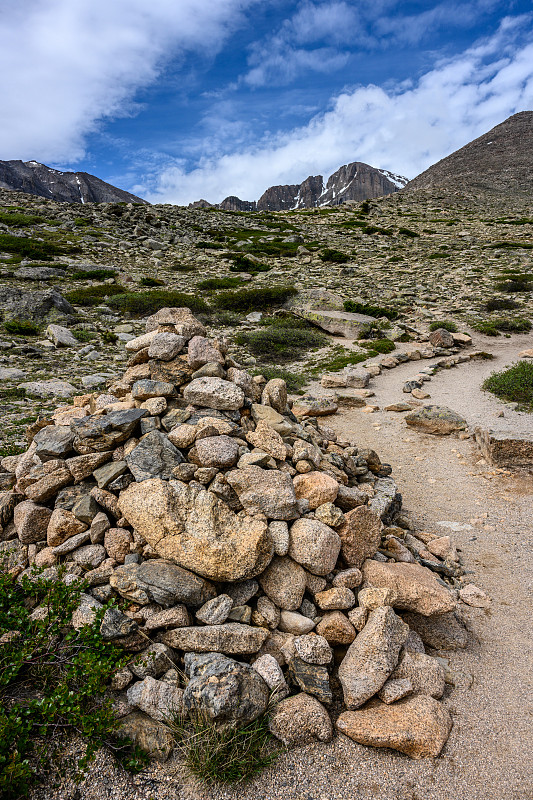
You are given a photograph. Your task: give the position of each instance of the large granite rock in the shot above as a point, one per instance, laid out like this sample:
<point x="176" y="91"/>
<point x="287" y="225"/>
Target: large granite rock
<point x="411" y="587"/>
<point x="214" y="393"/>
<point x="418" y="726"/>
<point x="104" y="432"/>
<point x="231" y="638"/>
<point x="196" y="529"/>
<point x="267" y="492"/>
<point x="299" y="720"/>
<point x="151" y="736"/>
<point x="437" y="420"/>
<point x="372" y="657"/>
<point x="360" y="534"/>
<point x="159" y="699"/>
<point x="314" y="545"/>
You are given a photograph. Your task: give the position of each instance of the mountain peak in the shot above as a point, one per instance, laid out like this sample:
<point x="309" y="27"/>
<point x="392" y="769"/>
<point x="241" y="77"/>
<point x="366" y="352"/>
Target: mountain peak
<point x="33" y="177"/>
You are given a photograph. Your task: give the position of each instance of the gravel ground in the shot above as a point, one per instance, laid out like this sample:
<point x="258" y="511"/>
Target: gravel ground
<point x="487" y="756"/>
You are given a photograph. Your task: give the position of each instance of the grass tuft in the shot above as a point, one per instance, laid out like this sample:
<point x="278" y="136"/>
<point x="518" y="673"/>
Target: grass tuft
<point x="447" y="324"/>
<point x="369" y="310"/>
<point x="224" y="753"/>
<point x="21" y="327"/>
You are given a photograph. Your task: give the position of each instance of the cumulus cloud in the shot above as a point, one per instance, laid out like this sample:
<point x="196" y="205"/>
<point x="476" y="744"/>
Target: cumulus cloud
<point x="404" y="129"/>
<point x="68" y="65"/>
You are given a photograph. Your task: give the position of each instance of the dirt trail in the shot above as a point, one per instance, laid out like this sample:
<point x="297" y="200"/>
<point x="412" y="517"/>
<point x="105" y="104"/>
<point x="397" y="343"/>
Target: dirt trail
<point x="489" y="754"/>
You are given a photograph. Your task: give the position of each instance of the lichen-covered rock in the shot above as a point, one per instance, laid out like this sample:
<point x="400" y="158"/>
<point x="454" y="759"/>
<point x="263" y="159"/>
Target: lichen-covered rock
<point x="31" y="521"/>
<point x="159" y="699"/>
<point x="197" y="530"/>
<point x="231" y="638"/>
<point x="224" y="689"/>
<point x="214" y="393"/>
<point x="154" y="456"/>
<point x="160" y="582"/>
<point x="437" y="420"/>
<point x="151" y="736"/>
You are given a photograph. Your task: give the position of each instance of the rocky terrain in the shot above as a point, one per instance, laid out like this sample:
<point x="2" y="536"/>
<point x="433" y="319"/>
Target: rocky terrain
<point x="67" y="187"/>
<point x="300" y="562"/>
<point x="352" y="182"/>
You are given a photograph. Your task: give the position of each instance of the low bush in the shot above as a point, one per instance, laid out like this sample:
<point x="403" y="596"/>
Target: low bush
<point x="224" y="754"/>
<point x="294" y="380"/>
<point x="32" y="249"/>
<point x="408" y="232"/>
<point x="16" y="220"/>
<point x="108" y="337"/>
<point x="21" y="327"/>
<point x="93" y="274"/>
<point x="83" y="335"/>
<point x="182" y="268"/>
<point x="211" y="284"/>
<point x="254" y="299"/>
<point x="447" y="324"/>
<point x="379" y="345"/>
<point x="511" y="246"/>
<point x="329" y="254"/>
<point x="151" y="282"/>
<point x="149" y="302"/>
<point x="515" y="385"/>
<point x="506" y="324"/>
<point x="514" y="285"/>
<point x="242" y="263"/>
<point x="500" y="304"/>
<point x="279" y="343"/>
<point x="274" y="249"/>
<point x="369" y="310"/>
<point x="339" y="358"/>
<point x="93" y="295"/>
<point x="53" y="681"/>
<point x="209" y="246"/>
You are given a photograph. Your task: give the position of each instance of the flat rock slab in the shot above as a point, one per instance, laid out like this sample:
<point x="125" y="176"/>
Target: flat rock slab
<point x="411" y="587"/>
<point x="418" y="726"/>
<point x="231" y="638"/>
<point x="437" y="420"/>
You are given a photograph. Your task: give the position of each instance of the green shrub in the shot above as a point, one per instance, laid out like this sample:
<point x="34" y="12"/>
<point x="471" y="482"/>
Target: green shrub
<point x="515" y="385"/>
<point x="108" y="337"/>
<point x="151" y="282"/>
<point x="11" y="449"/>
<point x="20" y="220"/>
<point x="274" y="249"/>
<point x="369" y="310"/>
<point x="53" y="681"/>
<point x="183" y="268"/>
<point x="82" y="222"/>
<point x="334" y="256"/>
<point x="244" y="264"/>
<point x="228" y="753"/>
<point x="371" y="229"/>
<point x="338" y="358"/>
<point x="21" y="327"/>
<point x="281" y="343"/>
<point x="408" y="232"/>
<point x="83" y="335"/>
<point x="379" y="345"/>
<point x="212" y="284"/>
<point x="511" y="246"/>
<point x="32" y="249"/>
<point x="447" y="324"/>
<point x="93" y="295"/>
<point x="149" y="302"/>
<point x="438" y="255"/>
<point x="506" y="324"/>
<point x="512" y="286"/>
<point x="209" y="246"/>
<point x="486" y="327"/>
<point x="254" y="299"/>
<point x="501" y="304"/>
<point x="294" y="380"/>
<point x="93" y="274"/>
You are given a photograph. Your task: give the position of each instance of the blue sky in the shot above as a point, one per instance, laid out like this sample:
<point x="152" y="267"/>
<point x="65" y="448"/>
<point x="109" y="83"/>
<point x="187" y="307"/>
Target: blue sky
<point x="181" y="99"/>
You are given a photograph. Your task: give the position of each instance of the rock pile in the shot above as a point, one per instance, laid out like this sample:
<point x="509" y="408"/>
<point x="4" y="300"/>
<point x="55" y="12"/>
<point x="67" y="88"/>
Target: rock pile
<point x="246" y="547"/>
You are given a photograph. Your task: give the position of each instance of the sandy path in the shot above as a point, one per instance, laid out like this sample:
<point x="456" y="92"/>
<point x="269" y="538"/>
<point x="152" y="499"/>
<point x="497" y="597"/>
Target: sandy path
<point x="488" y="755"/>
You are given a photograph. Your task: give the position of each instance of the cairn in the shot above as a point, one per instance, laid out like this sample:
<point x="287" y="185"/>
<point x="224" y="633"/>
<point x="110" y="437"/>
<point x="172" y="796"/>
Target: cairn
<point x="245" y="546"/>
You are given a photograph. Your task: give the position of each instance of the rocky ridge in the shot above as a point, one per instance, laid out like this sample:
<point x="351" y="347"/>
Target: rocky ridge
<point x="351" y="183"/>
<point x="225" y="524"/>
<point x="68" y="187"/>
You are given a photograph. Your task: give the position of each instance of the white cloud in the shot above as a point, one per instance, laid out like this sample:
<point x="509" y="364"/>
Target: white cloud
<point x="404" y="129"/>
<point x="68" y="64"/>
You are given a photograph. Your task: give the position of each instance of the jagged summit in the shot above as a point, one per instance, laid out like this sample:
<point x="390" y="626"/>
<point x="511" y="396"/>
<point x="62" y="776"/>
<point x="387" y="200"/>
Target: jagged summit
<point x="70" y="187"/>
<point x="500" y="161"/>
<point x="352" y="182"/>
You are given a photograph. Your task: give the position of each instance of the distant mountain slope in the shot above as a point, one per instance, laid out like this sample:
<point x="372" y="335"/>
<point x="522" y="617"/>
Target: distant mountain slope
<point x="499" y="161"/>
<point x="70" y="187"/>
<point x="352" y="182"/>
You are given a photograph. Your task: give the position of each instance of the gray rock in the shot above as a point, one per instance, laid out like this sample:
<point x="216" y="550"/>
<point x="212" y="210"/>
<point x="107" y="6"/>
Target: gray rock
<point x="299" y="720"/>
<point x="153" y="661"/>
<point x="230" y="638"/>
<point x="311" y="678"/>
<point x="116" y="625"/>
<point x="151" y="736"/>
<point x="202" y="351"/>
<point x="265" y="491"/>
<point x="224" y="689"/>
<point x="53" y="441"/>
<point x="109" y="472"/>
<point x="100" y="433"/>
<point x="154" y="456"/>
<point x="159" y="699"/>
<point x="166" y="346"/>
<point x="298" y="624"/>
<point x="284" y="582"/>
<point x="18" y="304"/>
<point x="394" y="689"/>
<point x="214" y="393"/>
<point x="425" y="673"/>
<point x="145" y="389"/>
<point x="437" y="420"/>
<point x="215" y="611"/>
<point x="160" y="582"/>
<point x="441" y="631"/>
<point x="49" y="388"/>
<point x="217" y="451"/>
<point x="372" y="657"/>
<point x="61" y="336"/>
<point x="313" y="649"/>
